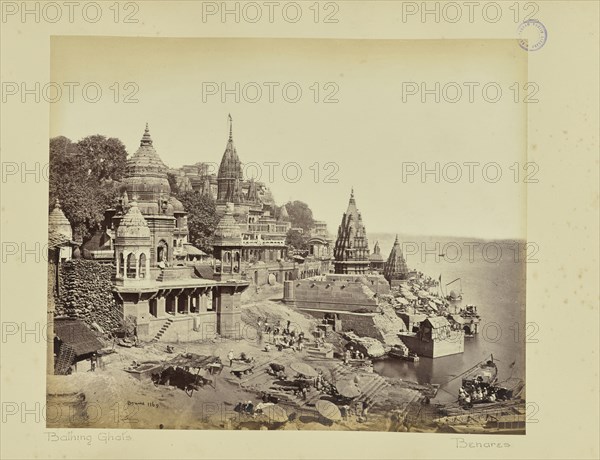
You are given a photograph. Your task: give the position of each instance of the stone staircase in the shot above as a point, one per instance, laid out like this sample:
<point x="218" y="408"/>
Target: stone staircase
<point x="258" y="372"/>
<point x="162" y="330"/>
<point x="369" y="384"/>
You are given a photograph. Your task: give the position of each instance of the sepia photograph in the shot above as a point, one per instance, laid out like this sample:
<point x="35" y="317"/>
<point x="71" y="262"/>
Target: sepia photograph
<point x="286" y="230"/>
<point x="260" y="266"/>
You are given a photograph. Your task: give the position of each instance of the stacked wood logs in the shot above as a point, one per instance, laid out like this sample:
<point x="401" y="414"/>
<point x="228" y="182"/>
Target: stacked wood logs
<point x="86" y="293"/>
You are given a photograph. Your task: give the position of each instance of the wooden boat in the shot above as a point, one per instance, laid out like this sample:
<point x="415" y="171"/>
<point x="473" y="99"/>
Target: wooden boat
<point x="480" y="385"/>
<point x="403" y="353"/>
<point x="485" y="373"/>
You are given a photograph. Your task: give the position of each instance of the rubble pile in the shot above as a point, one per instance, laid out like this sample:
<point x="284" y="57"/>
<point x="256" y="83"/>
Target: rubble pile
<point x="86" y="293"/>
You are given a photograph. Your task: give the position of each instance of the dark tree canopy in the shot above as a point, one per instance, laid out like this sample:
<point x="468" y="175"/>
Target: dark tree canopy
<point x="296" y="239"/>
<point x="173" y="183"/>
<point x="202" y="218"/>
<point x="104" y="157"/>
<point x="300" y="214"/>
<point x="83" y="176"/>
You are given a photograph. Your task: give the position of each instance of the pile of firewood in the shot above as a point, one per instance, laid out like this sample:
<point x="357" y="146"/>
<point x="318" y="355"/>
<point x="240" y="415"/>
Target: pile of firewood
<point x="86" y="293"/>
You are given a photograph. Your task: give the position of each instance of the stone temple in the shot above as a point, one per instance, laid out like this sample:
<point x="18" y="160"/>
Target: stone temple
<point x="351" y="252"/>
<point x="263" y="225"/>
<point x="396" y="270"/>
<point x="147" y="236"/>
<point x="158" y="283"/>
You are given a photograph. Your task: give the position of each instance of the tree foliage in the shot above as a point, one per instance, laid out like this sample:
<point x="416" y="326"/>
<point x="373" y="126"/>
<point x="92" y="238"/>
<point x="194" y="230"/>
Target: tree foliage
<point x="297" y="240"/>
<point x="202" y="218"/>
<point x="173" y="183"/>
<point x="300" y="215"/>
<point x="83" y="176"/>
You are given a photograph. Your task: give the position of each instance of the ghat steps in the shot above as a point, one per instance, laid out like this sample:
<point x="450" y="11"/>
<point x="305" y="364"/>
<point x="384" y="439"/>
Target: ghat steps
<point x="162" y="330"/>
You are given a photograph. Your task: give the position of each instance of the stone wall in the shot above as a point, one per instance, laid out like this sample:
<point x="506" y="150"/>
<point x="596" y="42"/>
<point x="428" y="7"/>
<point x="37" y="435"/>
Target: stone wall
<point x="451" y="345"/>
<point x="86" y="293"/>
<point x="334" y="295"/>
<point x="361" y="324"/>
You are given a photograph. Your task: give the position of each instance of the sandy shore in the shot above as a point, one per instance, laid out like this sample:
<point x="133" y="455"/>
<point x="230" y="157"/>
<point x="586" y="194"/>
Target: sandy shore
<point x="113" y="398"/>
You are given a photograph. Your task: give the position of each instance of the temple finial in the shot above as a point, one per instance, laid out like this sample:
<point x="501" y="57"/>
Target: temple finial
<point x="146" y="139"/>
<point x="230" y="128"/>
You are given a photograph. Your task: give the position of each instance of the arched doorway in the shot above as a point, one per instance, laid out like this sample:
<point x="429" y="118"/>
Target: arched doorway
<point x="162" y="251"/>
<point x="142" y="266"/>
<point x="131" y="265"/>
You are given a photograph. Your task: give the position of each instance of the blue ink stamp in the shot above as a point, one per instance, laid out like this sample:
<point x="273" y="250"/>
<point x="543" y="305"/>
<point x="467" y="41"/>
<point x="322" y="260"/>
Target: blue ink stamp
<point x="532" y="35"/>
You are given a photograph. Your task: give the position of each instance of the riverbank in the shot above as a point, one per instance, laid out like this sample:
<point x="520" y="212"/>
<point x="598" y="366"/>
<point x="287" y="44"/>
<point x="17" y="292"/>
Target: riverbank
<point x="110" y="397"/>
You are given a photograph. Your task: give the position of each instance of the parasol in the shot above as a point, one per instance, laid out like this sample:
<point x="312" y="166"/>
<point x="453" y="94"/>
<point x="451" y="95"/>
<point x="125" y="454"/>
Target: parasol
<point x="348" y="389"/>
<point x="304" y="369"/>
<point x="423" y="294"/>
<point x="403" y="301"/>
<point x="275" y="414"/>
<point x="433" y="306"/>
<point x="328" y="410"/>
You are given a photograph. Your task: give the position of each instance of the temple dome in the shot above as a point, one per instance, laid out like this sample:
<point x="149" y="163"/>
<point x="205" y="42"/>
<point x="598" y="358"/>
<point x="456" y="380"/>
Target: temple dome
<point x="133" y="224"/>
<point x="177" y="205"/>
<point x="376" y="256"/>
<point x="146" y="176"/>
<point x="58" y="222"/>
<point x="228" y="232"/>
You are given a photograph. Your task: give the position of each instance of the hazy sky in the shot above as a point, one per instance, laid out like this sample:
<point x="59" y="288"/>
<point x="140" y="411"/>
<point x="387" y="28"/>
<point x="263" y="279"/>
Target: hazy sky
<point x="365" y="138"/>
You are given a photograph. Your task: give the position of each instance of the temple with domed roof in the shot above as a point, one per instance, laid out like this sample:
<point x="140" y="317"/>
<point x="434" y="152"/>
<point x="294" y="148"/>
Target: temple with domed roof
<point x="145" y="238"/>
<point x="376" y="260"/>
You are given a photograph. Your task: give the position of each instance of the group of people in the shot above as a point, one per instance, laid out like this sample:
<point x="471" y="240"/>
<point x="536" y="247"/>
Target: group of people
<point x="351" y="353"/>
<point x="360" y="409"/>
<point x="244" y="407"/>
<point x="243" y="357"/>
<point x="283" y="336"/>
<point x="476" y="392"/>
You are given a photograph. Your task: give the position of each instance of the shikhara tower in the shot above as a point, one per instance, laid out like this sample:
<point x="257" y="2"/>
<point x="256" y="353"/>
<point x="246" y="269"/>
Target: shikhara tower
<point x="395" y="269"/>
<point x="351" y="252"/>
<point x="229" y="179"/>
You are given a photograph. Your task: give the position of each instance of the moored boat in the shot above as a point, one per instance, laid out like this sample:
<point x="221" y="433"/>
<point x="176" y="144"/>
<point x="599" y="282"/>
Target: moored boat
<point x="479" y="385"/>
<point x="403" y="353"/>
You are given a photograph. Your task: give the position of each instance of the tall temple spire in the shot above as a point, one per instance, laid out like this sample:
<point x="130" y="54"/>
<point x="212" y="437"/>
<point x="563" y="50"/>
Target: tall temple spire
<point x="146" y="139"/>
<point x="351" y="251"/>
<point x="230" y="175"/>
<point x="395" y="268"/>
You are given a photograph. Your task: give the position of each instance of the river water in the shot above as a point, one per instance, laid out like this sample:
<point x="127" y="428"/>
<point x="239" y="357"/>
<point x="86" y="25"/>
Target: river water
<point x="493" y="276"/>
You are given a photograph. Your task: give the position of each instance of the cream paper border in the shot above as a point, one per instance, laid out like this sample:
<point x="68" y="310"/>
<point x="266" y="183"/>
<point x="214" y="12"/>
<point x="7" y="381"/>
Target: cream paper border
<point x="562" y="290"/>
